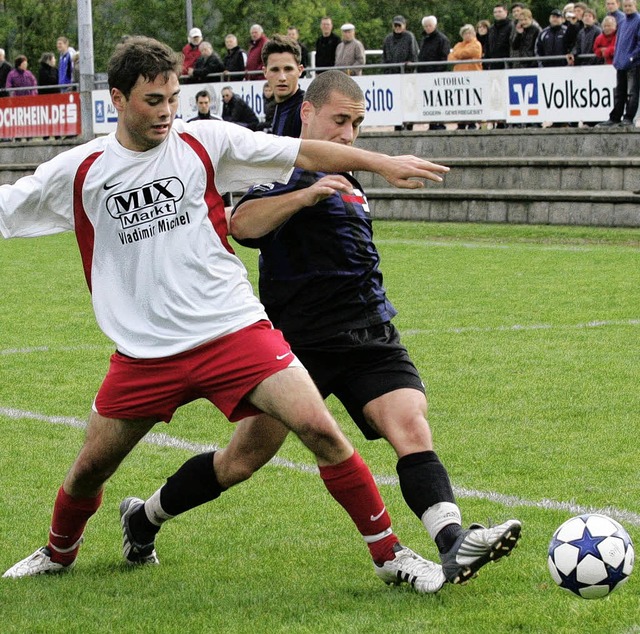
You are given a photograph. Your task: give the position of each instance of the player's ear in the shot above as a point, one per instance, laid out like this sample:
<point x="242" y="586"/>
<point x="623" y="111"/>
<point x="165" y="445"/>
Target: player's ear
<point x="306" y="110"/>
<point x="117" y="98"/>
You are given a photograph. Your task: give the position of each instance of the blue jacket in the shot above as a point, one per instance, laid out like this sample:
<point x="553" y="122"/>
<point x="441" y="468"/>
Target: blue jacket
<point x="627" y="51"/>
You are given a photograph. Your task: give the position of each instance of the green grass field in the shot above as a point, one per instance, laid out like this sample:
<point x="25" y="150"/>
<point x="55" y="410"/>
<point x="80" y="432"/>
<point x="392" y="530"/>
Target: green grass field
<point x="527" y="339"/>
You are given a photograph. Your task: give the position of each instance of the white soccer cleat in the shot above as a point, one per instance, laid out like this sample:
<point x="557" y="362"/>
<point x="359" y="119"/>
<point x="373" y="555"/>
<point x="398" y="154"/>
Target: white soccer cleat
<point x="409" y="567"/>
<point x="39" y="563"/>
<point x="476" y="547"/>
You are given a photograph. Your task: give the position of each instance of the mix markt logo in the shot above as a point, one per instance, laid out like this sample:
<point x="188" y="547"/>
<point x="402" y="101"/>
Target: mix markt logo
<point x="147" y="211"/>
<point x="523" y="95"/>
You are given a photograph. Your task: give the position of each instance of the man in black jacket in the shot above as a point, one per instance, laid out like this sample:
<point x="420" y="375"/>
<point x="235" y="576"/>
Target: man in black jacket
<point x="235" y="60"/>
<point x="326" y="44"/>
<point x="434" y="46"/>
<point x="237" y="110"/>
<point x="553" y="40"/>
<point x="499" y="37"/>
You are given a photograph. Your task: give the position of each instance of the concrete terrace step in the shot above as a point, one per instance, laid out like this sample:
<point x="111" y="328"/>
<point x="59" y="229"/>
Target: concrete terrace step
<point x="525" y="143"/>
<point x="531" y="173"/>
<point x="567" y="207"/>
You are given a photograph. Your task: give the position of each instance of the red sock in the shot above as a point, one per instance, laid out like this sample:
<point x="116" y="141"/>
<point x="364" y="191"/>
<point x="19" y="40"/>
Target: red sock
<point x="352" y="485"/>
<point x="70" y="516"/>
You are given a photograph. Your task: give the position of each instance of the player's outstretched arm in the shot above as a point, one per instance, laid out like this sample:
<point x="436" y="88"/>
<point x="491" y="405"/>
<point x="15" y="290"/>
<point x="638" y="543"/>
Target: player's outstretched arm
<point x="256" y="217"/>
<point x="407" y="172"/>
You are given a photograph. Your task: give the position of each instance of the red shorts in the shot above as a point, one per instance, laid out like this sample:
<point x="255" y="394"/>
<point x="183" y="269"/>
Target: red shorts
<point x="223" y="371"/>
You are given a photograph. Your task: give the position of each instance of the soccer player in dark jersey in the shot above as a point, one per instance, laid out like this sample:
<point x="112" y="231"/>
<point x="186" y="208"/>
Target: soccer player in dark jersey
<point x="281" y="57"/>
<point x="321" y="285"/>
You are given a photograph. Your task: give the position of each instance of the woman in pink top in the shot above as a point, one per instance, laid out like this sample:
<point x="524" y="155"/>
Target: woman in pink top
<point x="20" y="77"/>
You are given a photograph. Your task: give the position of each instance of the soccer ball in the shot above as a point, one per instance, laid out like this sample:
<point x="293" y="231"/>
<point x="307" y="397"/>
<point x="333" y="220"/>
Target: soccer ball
<point x="590" y="555"/>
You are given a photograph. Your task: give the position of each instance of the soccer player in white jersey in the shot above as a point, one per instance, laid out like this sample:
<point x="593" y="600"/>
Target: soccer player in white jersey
<point x="146" y="209"/>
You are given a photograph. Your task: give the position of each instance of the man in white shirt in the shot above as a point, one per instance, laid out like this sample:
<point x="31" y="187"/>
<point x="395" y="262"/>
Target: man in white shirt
<point x="145" y="204"/>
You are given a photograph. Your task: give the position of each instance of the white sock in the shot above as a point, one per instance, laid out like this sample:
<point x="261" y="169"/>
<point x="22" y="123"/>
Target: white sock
<point x="436" y="517"/>
<point x="154" y="511"/>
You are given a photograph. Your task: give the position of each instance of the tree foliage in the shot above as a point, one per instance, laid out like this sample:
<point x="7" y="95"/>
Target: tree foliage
<point x="31" y="27"/>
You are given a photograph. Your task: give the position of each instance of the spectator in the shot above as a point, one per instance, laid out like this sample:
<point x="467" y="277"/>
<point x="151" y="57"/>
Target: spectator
<point x="326" y="44"/>
<point x="578" y="9"/>
<point x="281" y="59"/>
<point x="48" y="74"/>
<point x="585" y="41"/>
<point x="350" y="51"/>
<point x="203" y="103"/>
<point x="294" y="34"/>
<point x="20" y="77"/>
<point x="235" y="61"/>
<point x="468" y="49"/>
<point x="65" y="63"/>
<point x="499" y="37"/>
<point x="605" y="43"/>
<point x="434" y="46"/>
<point x="523" y="43"/>
<point x="191" y="50"/>
<point x="613" y="9"/>
<point x="482" y="33"/>
<point x="5" y="68"/>
<point x="399" y="47"/>
<point x="268" y="107"/>
<point x="571" y="22"/>
<point x="553" y="41"/>
<point x="76" y="69"/>
<point x="208" y="66"/>
<point x="237" y="110"/>
<point x="254" y="56"/>
<point x="626" y="61"/>
<point x="516" y="10"/>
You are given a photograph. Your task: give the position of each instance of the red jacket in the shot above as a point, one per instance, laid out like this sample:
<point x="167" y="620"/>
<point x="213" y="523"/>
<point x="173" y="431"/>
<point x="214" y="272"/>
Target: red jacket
<point x="254" y="59"/>
<point x="191" y="54"/>
<point x="606" y="42"/>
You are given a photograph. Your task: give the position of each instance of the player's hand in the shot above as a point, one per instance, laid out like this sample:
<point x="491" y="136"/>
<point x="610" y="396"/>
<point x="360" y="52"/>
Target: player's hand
<point x="403" y="171"/>
<point x="325" y="187"/>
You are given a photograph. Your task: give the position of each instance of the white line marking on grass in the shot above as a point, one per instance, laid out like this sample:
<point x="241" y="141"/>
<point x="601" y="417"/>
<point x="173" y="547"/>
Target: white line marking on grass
<point x="580" y="248"/>
<point x="164" y="440"/>
<point x="32" y="349"/>
<point x="405" y="333"/>
<point x="521" y="327"/>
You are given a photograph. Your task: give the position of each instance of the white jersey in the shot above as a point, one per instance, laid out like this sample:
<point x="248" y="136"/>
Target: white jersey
<point x="152" y="231"/>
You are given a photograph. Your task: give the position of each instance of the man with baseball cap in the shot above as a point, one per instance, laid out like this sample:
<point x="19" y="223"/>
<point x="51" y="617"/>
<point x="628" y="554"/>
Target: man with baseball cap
<point x="350" y="51"/>
<point x="552" y="41"/>
<point x="400" y="46"/>
<point x="191" y="50"/>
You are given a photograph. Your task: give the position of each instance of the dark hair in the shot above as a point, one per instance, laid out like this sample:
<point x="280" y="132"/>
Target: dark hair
<point x="141" y="57"/>
<point x="328" y="82"/>
<point x="281" y="44"/>
<point x="203" y="93"/>
<point x="517" y="5"/>
<point x="19" y="60"/>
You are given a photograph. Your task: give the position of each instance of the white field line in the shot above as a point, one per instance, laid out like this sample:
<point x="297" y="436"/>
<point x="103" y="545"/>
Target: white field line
<point x="511" y="246"/>
<point x="405" y="333"/>
<point x="164" y="440"/>
<point x="523" y="327"/>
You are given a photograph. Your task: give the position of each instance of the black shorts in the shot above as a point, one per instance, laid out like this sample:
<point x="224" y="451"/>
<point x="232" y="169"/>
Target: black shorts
<point x="358" y="366"/>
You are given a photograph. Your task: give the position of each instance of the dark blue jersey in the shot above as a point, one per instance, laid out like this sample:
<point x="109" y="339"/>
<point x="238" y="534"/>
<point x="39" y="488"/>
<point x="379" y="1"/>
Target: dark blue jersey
<point x="319" y="271"/>
<point x="286" y="118"/>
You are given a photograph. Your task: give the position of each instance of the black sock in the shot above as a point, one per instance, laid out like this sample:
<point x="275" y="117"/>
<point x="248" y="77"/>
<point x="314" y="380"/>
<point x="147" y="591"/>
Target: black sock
<point x="423" y="481"/>
<point x="447" y="537"/>
<point x="193" y="484"/>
